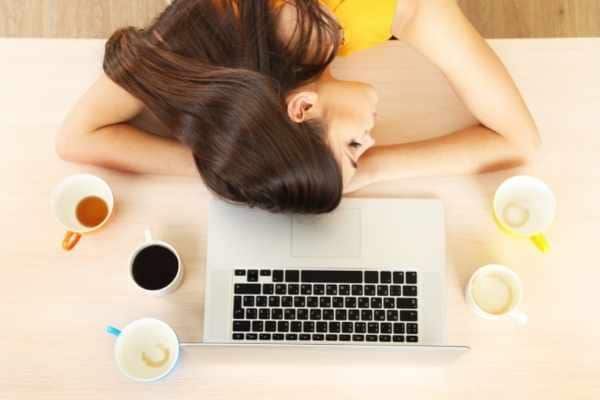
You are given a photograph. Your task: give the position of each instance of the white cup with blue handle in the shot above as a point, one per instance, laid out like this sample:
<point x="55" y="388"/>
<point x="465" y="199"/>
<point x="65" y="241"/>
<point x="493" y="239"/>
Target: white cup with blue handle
<point x="146" y="350"/>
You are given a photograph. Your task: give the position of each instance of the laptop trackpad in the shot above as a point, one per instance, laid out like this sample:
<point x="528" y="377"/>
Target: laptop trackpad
<point x="337" y="234"/>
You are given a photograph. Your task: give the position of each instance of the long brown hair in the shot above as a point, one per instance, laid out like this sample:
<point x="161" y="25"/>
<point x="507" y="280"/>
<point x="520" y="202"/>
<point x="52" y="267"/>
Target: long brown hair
<point x="217" y="73"/>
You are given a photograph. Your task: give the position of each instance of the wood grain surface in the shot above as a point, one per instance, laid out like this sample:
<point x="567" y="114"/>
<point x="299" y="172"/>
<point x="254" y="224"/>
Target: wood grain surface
<point x="98" y="18"/>
<point x="54" y="305"/>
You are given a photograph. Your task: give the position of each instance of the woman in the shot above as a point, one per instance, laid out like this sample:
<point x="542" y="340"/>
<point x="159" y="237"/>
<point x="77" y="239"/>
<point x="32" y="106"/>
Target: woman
<point x="245" y="86"/>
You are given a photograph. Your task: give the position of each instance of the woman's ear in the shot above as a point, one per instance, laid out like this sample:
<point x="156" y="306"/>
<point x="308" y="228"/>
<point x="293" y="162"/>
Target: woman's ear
<point x="302" y="106"/>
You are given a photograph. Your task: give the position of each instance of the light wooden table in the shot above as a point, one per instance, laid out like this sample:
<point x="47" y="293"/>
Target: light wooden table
<point x="54" y="305"/>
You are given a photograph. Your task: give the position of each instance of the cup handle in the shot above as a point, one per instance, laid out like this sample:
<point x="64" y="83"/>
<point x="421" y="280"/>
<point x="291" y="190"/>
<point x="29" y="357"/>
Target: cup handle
<point x="70" y="240"/>
<point x="540" y="241"/>
<point x="519" y="316"/>
<point x="113" y="331"/>
<point x="148" y="235"/>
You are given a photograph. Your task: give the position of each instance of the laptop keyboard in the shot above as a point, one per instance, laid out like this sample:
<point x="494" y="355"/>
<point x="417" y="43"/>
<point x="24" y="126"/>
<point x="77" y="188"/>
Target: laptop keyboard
<point x="343" y="306"/>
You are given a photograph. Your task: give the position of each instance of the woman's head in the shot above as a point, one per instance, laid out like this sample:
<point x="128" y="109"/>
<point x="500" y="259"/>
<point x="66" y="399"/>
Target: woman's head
<point x="217" y="74"/>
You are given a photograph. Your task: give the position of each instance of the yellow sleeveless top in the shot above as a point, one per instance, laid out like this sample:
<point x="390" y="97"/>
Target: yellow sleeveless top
<point x="366" y="23"/>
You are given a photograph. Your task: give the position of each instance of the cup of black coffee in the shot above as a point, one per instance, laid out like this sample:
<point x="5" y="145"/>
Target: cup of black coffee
<point x="155" y="267"/>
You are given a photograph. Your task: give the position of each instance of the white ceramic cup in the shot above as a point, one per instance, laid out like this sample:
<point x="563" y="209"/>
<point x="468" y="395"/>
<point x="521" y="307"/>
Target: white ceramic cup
<point x="146" y="350"/>
<point x="495" y="292"/>
<point x="174" y="284"/>
<point x="68" y="194"/>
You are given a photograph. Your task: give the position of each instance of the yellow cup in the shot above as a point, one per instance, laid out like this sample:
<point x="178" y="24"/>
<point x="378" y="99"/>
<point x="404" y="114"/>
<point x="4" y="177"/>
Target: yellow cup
<point x="524" y="207"/>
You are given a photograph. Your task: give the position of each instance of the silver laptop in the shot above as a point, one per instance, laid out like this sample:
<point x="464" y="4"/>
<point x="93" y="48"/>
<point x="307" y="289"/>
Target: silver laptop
<point x="370" y="274"/>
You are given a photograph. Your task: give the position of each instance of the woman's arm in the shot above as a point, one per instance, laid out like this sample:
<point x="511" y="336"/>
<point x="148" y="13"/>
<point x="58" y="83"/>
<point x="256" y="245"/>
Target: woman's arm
<point x="507" y="135"/>
<point x="96" y="132"/>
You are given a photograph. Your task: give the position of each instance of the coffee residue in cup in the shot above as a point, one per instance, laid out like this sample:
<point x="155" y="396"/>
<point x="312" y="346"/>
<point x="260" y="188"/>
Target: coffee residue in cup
<point x="91" y="211"/>
<point x="166" y="355"/>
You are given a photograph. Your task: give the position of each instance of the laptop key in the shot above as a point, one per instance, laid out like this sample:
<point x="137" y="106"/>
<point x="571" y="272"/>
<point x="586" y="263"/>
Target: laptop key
<point x="253" y="275"/>
<point x="357" y="290"/>
<point x="278" y="275"/>
<point x="277" y="336"/>
<point x="385" y="277"/>
<point x="338" y="302"/>
<point x="375" y="302"/>
<point x="276" y="313"/>
<point x="264" y="313"/>
<point x="344" y="290"/>
<point x="257" y="326"/>
<point x="304" y="336"/>
<point x="319" y="289"/>
<point x="331" y="338"/>
<point x="344" y="338"/>
<point x="317" y="337"/>
<point x="353" y="315"/>
<point x="261" y="301"/>
<point x="240" y="272"/>
<point x="398" y="277"/>
<point x="280" y="288"/>
<point x="238" y="336"/>
<point x="382" y="290"/>
<point x="358" y="338"/>
<point x="241" y="326"/>
<point x="379" y="315"/>
<point x="360" y="327"/>
<point x="370" y="290"/>
<point x="384" y="338"/>
<point x="408" y="315"/>
<point x="305" y="288"/>
<point x="293" y="288"/>
<point x="265" y="272"/>
<point x="371" y="277"/>
<point x="267" y="288"/>
<point x="308" y="326"/>
<point x="292" y="275"/>
<point x="283" y="326"/>
<point x="409" y="291"/>
<point x="238" y="313"/>
<point x="331" y="290"/>
<point x="248" y="301"/>
<point x="270" y="326"/>
<point x="264" y="336"/>
<point x="289" y="313"/>
<point x="371" y="338"/>
<point x="373" y="327"/>
<point x="412" y="329"/>
<point x="302" y="313"/>
<point x="392" y="315"/>
<point x="291" y="336"/>
<point x="324" y="302"/>
<point x="412" y="339"/>
<point x="315" y="314"/>
<point x="389" y="302"/>
<point x="246" y="288"/>
<point x="340" y="315"/>
<point x="406" y="303"/>
<point x="328" y="314"/>
<point x="312" y="301"/>
<point x="296" y="326"/>
<point x="347" y="327"/>
<point x="321" y="327"/>
<point x="251" y="313"/>
<point x="399" y="327"/>
<point x="395" y="290"/>
<point x="350" y="302"/>
<point x="334" y="327"/>
<point x="287" y="301"/>
<point x="398" y="338"/>
<point x="385" y="327"/>
<point x="411" y="277"/>
<point x="363" y="302"/>
<point x="330" y="276"/>
<point x="274" y="301"/>
<point x="251" y="336"/>
<point x="366" y="315"/>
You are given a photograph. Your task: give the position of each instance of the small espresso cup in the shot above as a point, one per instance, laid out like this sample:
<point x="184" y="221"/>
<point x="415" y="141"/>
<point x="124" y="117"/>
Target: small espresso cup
<point x="495" y="292"/>
<point x="146" y="350"/>
<point x="155" y="267"/>
<point x="82" y="203"/>
<point x="524" y="207"/>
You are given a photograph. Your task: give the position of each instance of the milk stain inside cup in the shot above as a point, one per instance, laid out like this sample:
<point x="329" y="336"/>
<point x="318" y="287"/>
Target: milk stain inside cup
<point x="515" y="215"/>
<point x="492" y="294"/>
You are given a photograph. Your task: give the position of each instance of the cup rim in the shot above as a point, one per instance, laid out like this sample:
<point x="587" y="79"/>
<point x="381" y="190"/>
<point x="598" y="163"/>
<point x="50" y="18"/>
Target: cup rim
<point x="175" y="359"/>
<point x="490" y="268"/>
<point x="145" y="245"/>
<point x="510" y="181"/>
<point x="66" y="181"/>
